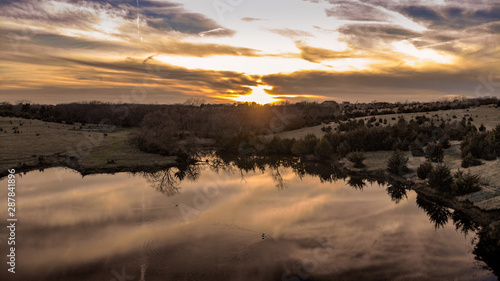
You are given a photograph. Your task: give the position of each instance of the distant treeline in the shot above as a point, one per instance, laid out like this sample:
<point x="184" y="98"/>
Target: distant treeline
<point x="248" y="129"/>
<point x="297" y="115"/>
<point x="125" y="115"/>
<point x="163" y="127"/>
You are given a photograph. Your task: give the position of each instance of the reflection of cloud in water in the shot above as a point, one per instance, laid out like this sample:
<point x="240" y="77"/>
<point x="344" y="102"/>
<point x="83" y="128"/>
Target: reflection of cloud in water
<point x="372" y="235"/>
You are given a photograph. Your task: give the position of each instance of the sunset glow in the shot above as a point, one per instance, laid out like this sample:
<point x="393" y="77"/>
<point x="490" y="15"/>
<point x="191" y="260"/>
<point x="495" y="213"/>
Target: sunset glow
<point x="65" y="51"/>
<point x="258" y="95"/>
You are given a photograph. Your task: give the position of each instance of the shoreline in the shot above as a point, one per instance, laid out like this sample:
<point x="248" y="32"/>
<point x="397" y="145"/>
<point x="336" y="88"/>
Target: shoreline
<point x="55" y="161"/>
<point x="418" y="185"/>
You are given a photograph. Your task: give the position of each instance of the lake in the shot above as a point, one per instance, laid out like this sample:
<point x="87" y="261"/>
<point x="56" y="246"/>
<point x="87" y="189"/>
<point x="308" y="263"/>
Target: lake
<point x="215" y="221"/>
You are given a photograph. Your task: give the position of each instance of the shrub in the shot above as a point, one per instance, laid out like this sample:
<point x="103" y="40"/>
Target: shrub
<point x="401" y="145"/>
<point x="434" y="152"/>
<point x="305" y="146"/>
<point x="416" y="149"/>
<point x="424" y="169"/>
<point x="326" y="129"/>
<point x="357" y="157"/>
<point x="496" y="137"/>
<point x="480" y="145"/>
<point x="280" y="146"/>
<point x="466" y="183"/>
<point x="323" y="149"/>
<point x="445" y="142"/>
<point x="343" y="149"/>
<point x="470" y="161"/>
<point x="440" y="178"/>
<point x="397" y="163"/>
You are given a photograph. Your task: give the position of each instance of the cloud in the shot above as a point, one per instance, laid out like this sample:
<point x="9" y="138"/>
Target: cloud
<point x="452" y="17"/>
<point x="494" y="28"/>
<point x="88" y="15"/>
<point x="178" y="20"/>
<point x="378" y="31"/>
<point x="317" y="55"/>
<point x="391" y="84"/>
<point x="65" y="94"/>
<point x="70" y="44"/>
<point x="423" y="13"/>
<point x="249" y="19"/>
<point x="175" y="46"/>
<point x="221" y="81"/>
<point x="373" y="35"/>
<point x="291" y="33"/>
<point x="82" y="15"/>
<point x="217" y="32"/>
<point x="345" y="10"/>
<point x="67" y="42"/>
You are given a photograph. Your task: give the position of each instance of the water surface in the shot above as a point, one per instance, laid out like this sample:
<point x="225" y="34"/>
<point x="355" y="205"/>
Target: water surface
<point x="220" y="223"/>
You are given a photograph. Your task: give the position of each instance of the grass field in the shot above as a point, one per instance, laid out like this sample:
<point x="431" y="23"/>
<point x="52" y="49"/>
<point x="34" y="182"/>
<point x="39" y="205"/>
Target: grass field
<point x="92" y="147"/>
<point x="487" y="115"/>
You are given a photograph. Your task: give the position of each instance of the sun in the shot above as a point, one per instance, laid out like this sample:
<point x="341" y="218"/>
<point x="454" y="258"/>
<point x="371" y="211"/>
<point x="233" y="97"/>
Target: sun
<point x="258" y="95"/>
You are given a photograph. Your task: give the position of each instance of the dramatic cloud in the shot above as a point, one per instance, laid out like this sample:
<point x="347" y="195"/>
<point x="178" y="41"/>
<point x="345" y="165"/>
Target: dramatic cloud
<point x="314" y="49"/>
<point x="402" y="83"/>
<point x="347" y="10"/>
<point x="371" y="35"/>
<point x="453" y="17"/>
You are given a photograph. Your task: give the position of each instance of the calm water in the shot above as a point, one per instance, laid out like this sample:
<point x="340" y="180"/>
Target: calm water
<point x="225" y="224"/>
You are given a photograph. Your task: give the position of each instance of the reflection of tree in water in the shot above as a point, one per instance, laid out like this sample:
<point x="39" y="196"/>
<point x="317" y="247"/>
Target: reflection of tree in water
<point x="487" y="249"/>
<point x="438" y="214"/>
<point x="398" y="190"/>
<point x="168" y="181"/>
<point x="324" y="171"/>
<point x="464" y="222"/>
<point x="245" y="164"/>
<point x="278" y="178"/>
<point x="356" y="181"/>
<point x="218" y="165"/>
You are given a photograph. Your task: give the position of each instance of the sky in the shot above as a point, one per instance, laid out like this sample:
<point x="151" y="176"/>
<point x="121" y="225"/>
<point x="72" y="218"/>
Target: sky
<point x="223" y="51"/>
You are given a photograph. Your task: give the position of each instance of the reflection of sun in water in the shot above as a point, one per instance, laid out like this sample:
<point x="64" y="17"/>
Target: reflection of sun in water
<point x="258" y="95"/>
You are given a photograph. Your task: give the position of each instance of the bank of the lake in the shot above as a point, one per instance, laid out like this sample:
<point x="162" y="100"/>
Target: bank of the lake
<point x="88" y="148"/>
